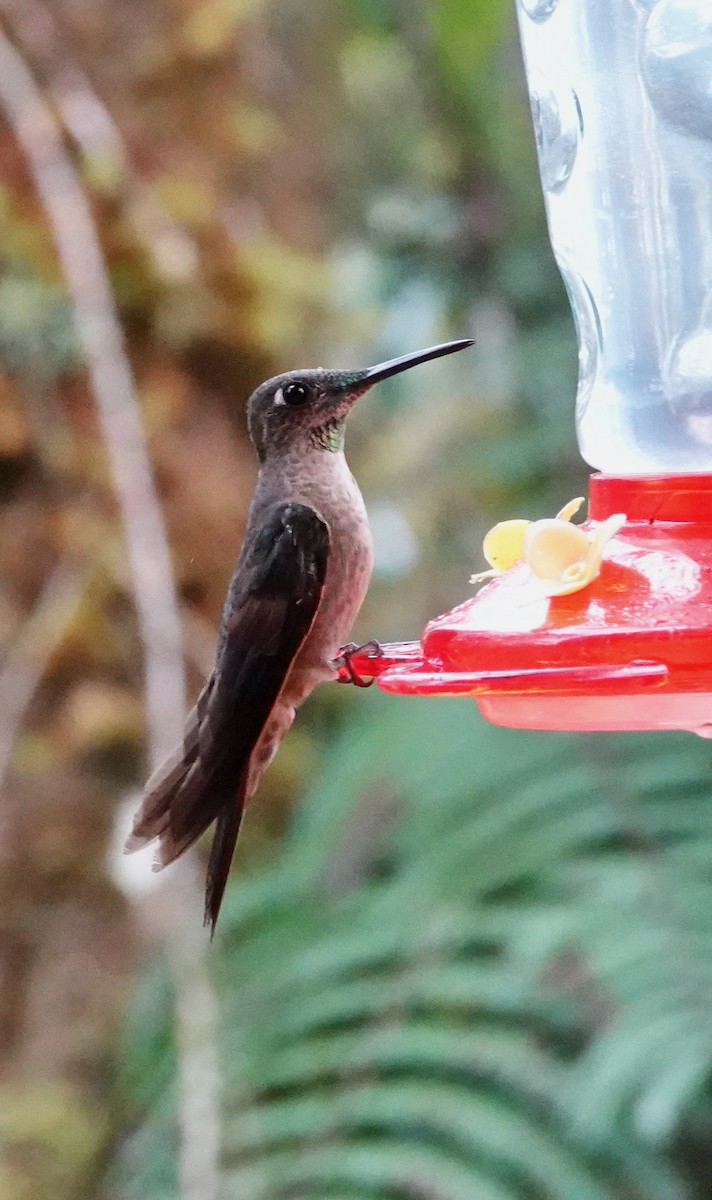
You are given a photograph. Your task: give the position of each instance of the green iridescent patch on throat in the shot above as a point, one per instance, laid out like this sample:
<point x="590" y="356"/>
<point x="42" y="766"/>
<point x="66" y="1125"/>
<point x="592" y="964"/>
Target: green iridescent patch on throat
<point x="329" y="436"/>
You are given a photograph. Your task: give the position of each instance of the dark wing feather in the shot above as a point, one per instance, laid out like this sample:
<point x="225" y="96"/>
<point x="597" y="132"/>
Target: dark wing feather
<point x="269" y="611"/>
<point x="227" y="827"/>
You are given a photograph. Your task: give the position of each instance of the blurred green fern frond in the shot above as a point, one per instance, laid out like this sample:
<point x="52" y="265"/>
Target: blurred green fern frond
<point x="482" y="968"/>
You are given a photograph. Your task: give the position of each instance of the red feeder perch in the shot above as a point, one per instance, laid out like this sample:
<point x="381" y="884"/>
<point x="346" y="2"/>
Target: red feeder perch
<point x="623" y="121"/>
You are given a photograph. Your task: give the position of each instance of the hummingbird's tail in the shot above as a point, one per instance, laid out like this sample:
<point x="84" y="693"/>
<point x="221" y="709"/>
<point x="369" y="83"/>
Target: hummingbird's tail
<point x="204" y="780"/>
<point x="193" y="788"/>
<point x="241" y="714"/>
<point x="186" y="796"/>
<point x="153" y="821"/>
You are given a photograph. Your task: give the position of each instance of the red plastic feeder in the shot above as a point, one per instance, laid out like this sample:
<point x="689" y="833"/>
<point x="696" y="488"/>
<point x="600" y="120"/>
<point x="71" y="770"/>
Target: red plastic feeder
<point x="632" y="650"/>
<point x="621" y="107"/>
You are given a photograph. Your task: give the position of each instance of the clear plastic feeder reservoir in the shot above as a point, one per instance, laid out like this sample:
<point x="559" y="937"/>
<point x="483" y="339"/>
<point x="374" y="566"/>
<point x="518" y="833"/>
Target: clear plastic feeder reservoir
<point x="621" y="96"/>
<point x="608" y="625"/>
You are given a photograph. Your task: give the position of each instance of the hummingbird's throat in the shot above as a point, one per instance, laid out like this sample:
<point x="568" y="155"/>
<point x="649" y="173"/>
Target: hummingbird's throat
<point x="329" y="436"/>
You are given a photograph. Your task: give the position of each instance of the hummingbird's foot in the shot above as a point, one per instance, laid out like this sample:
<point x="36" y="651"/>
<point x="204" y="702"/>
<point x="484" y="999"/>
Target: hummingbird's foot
<point x="347" y="671"/>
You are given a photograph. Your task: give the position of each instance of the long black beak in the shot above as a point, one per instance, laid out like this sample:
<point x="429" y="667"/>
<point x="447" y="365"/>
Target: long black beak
<point x="395" y="365"/>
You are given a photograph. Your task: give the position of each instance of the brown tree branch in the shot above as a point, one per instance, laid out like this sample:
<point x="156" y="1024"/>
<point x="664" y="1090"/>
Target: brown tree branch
<point x="69" y="215"/>
<point x="91" y="127"/>
<point x="72" y="223"/>
<point x="26" y="662"/>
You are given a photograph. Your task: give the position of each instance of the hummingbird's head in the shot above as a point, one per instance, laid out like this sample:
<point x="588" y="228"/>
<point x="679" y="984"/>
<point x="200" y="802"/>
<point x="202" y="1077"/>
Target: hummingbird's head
<point x="311" y="406"/>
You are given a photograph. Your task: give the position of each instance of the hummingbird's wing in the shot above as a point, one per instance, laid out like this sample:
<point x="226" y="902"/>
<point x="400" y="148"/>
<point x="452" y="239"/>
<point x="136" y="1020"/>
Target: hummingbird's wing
<point x="270" y="609"/>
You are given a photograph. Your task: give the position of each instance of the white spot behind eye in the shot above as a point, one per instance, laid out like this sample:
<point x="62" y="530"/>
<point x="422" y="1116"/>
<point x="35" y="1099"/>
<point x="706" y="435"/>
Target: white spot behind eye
<point x="278" y="397"/>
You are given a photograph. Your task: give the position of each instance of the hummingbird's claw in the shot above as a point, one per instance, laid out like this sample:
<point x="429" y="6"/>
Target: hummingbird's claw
<point x="347" y="671"/>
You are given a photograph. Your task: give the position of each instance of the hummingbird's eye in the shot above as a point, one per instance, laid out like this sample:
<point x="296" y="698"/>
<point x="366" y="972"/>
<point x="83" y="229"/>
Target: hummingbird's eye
<point x="296" y="392"/>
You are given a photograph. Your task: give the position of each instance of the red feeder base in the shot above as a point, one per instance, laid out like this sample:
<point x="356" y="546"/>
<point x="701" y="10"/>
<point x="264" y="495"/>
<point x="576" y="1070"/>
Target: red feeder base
<point x="632" y="650"/>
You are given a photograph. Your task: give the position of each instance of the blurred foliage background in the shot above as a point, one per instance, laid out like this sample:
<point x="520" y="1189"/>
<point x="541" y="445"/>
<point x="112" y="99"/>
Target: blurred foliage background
<point x="455" y="961"/>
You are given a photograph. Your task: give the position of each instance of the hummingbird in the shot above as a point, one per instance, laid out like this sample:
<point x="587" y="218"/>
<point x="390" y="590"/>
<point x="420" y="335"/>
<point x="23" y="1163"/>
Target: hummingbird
<point x="299" y="582"/>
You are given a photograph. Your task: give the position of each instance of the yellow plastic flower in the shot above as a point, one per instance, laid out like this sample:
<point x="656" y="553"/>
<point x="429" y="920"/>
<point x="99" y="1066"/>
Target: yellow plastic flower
<point x="563" y="558"/>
